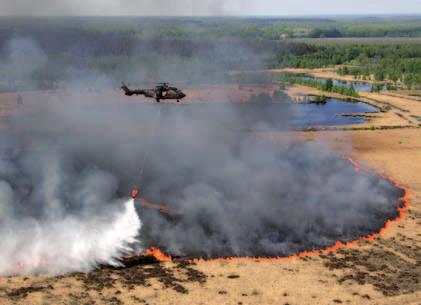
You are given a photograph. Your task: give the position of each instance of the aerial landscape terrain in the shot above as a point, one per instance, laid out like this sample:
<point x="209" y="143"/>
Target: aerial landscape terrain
<point x="255" y="159"/>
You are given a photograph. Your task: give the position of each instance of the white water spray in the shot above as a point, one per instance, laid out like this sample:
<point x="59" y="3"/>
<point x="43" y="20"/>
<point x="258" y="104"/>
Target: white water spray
<point x="69" y="244"/>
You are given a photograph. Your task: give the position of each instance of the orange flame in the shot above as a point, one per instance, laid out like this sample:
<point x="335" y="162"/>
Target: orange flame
<point x="403" y="207"/>
<point x="21" y="266"/>
<point x="157" y="254"/>
<point x="357" y="167"/>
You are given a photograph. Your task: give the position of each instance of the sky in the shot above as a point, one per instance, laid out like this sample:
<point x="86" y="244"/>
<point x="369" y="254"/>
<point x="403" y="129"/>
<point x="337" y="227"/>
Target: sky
<point x="208" y="7"/>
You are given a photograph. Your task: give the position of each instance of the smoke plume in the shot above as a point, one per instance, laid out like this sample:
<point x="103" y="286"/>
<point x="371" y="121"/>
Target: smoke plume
<point x="233" y="194"/>
<point x="66" y="173"/>
<point x="22" y="58"/>
<point x="67" y="243"/>
<point x="123" y="7"/>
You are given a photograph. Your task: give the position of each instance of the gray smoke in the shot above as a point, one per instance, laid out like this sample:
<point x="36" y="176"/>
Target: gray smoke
<point x="122" y="7"/>
<point x="66" y="170"/>
<point x="22" y="57"/>
<point x="239" y="196"/>
<point x="58" y="214"/>
<point x="232" y="194"/>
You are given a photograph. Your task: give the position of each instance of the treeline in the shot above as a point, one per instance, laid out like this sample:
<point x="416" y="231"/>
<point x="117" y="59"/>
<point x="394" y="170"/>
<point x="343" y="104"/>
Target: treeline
<point x="326" y="85"/>
<point x="216" y="28"/>
<point x="204" y="48"/>
<point x="398" y="63"/>
<point x="123" y="55"/>
<point x="168" y="28"/>
<point x="368" y="30"/>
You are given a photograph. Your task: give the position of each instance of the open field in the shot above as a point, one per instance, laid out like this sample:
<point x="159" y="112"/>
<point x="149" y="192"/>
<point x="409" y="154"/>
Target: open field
<point x="94" y="159"/>
<point x="383" y="271"/>
<point x="318" y="73"/>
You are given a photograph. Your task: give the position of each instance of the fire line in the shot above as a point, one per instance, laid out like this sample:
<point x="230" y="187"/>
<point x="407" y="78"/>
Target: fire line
<point x="402" y="209"/>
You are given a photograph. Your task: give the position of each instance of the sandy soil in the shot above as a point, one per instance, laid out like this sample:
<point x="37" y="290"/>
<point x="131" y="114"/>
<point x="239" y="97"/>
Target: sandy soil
<point x="382" y="271"/>
<point x="321" y="73"/>
<point x="223" y="93"/>
<point x="330" y="72"/>
<point x="399" y="110"/>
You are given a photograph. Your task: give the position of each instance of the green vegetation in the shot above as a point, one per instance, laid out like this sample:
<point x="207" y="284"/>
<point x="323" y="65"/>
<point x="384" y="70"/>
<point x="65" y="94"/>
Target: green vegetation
<point x="377" y="87"/>
<point x="374" y="29"/>
<point x="398" y="63"/>
<point x="390" y="87"/>
<point x="187" y="49"/>
<point x="325" y="86"/>
<point x="317" y="99"/>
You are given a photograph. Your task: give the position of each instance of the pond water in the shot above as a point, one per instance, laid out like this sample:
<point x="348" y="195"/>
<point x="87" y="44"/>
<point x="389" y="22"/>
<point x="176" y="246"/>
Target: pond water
<point x="306" y="115"/>
<point x="270" y="115"/>
<point x="359" y="86"/>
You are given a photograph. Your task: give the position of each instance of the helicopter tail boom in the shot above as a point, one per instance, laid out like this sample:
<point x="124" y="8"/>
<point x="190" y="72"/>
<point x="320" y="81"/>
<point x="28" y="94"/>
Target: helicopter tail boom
<point x="129" y="92"/>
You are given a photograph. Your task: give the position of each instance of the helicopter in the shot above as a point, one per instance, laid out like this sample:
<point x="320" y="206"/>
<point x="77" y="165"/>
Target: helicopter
<point x="162" y="91"/>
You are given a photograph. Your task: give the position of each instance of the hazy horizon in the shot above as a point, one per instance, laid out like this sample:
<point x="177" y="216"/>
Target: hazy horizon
<point x="190" y="8"/>
<point x="290" y="16"/>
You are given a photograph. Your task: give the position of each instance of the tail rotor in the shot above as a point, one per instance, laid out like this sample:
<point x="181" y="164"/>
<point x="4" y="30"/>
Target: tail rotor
<point x="126" y="89"/>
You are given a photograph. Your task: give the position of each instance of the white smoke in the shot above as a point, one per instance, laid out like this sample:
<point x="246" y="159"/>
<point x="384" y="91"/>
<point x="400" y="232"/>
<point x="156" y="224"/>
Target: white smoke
<point x="69" y="244"/>
<point x="124" y="7"/>
<point x="23" y="57"/>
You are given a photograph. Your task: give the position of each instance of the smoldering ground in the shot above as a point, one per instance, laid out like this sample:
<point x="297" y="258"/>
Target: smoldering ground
<point x="237" y="195"/>
<point x="66" y="172"/>
<point x="240" y="196"/>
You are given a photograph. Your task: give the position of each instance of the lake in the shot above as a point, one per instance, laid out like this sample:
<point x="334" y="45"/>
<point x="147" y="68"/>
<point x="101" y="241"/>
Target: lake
<point x="307" y="115"/>
<point x="359" y="86"/>
<point x="280" y="115"/>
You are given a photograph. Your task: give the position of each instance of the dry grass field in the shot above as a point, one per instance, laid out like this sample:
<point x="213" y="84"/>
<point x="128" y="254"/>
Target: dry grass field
<point x="386" y="270"/>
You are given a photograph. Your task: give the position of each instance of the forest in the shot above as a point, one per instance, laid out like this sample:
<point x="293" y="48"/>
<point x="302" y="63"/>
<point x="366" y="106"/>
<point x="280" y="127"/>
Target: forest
<point x="185" y="49"/>
<point x="394" y="62"/>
